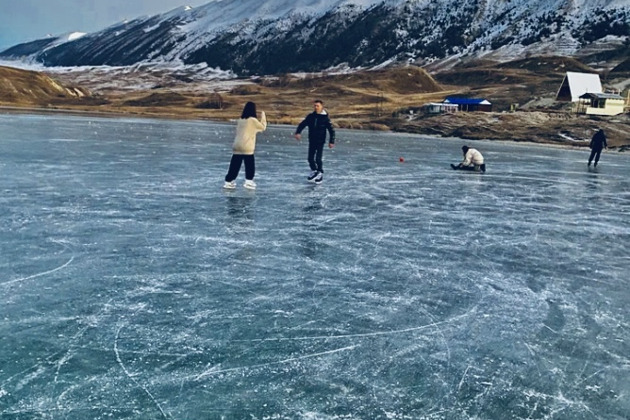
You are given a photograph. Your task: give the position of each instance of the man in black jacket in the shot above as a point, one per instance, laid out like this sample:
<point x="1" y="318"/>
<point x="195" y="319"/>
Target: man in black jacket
<point x="598" y="142"/>
<point x="318" y="122"/>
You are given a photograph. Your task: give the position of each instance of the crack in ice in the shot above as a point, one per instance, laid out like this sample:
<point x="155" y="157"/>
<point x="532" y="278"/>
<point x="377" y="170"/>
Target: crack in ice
<point x="45" y="273"/>
<point x="362" y="335"/>
<point x="212" y="371"/>
<point x="130" y="376"/>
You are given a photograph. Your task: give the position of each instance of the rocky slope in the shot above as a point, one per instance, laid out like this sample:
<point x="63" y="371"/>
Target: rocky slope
<point x="277" y="36"/>
<point x="546" y="127"/>
<point x="23" y="87"/>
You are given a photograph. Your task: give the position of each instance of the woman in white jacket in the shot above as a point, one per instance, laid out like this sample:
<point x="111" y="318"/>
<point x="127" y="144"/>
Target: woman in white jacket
<point x="473" y="160"/>
<point x="244" y="145"/>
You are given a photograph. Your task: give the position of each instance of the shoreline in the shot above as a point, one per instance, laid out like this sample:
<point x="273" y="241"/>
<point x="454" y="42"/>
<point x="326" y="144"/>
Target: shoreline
<point x="433" y="128"/>
<point x="93" y="113"/>
<point x="390" y="100"/>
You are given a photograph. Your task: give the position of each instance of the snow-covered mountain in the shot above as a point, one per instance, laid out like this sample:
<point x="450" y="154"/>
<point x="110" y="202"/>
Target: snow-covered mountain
<point x="276" y="36"/>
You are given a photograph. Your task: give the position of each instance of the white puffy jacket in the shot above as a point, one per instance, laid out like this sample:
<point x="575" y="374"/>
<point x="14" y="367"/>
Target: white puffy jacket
<point x="246" y="130"/>
<point x="473" y="157"/>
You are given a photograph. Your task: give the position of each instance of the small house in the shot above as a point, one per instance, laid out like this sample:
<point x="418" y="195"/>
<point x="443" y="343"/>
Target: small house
<point x="576" y="84"/>
<point x="440" y="108"/>
<point x="469" y="104"/>
<point x="600" y="104"/>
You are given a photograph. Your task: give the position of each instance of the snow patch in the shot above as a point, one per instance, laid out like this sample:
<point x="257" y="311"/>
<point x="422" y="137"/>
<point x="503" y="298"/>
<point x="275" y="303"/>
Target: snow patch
<point x="76" y="35"/>
<point x="499" y="29"/>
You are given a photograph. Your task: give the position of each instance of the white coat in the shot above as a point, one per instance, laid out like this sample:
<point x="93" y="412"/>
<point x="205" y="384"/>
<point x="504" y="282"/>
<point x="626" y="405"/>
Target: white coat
<point x="246" y="130"/>
<point x="472" y="157"/>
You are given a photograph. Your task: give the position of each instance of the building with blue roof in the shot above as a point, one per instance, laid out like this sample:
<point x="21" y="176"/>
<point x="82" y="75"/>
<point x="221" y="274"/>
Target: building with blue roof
<point x="469" y="104"/>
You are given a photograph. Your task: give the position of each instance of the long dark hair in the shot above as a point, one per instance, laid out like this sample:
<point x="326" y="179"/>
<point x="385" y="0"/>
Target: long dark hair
<point x="249" y="110"/>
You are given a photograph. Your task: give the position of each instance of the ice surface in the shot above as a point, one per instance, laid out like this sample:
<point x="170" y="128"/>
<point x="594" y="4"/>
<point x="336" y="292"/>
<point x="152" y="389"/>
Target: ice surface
<point x="133" y="287"/>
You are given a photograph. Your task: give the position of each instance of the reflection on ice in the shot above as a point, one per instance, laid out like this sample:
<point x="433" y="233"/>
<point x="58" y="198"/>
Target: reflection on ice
<point x="134" y="287"/>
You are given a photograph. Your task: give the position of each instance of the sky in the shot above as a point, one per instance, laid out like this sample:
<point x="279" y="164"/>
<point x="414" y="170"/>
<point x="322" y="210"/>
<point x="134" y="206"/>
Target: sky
<point x="28" y="20"/>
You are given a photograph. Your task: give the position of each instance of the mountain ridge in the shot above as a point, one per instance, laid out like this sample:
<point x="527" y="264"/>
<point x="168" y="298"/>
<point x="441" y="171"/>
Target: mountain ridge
<point x="277" y="36"/>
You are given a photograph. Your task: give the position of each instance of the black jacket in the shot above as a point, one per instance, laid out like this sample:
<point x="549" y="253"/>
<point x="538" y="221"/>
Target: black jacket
<point x="598" y="142"/>
<point x="317" y="125"/>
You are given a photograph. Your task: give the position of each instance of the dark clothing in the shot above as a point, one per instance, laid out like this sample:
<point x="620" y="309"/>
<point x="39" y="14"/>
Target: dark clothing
<point x="317" y="125"/>
<point x="315" y="151"/>
<point x="235" y="167"/>
<point x="595" y="153"/>
<point x="598" y="142"/>
<point x="476" y="168"/>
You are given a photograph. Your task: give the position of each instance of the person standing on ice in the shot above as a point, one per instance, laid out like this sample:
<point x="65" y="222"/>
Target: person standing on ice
<point x="598" y="143"/>
<point x="473" y="160"/>
<point x="244" y="145"/>
<point x="318" y="122"/>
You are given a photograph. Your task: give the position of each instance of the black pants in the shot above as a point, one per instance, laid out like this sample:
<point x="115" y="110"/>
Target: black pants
<point x="476" y="168"/>
<point x="235" y="166"/>
<point x="594" y="154"/>
<point x="315" y="151"/>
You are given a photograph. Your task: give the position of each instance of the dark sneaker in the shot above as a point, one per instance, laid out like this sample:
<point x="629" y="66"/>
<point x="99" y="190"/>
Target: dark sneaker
<point x="312" y="176"/>
<point x="319" y="179"/>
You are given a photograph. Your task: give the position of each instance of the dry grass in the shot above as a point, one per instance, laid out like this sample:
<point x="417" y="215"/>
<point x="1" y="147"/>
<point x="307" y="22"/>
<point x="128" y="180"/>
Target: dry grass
<point x="534" y="126"/>
<point x="366" y="100"/>
<point x="21" y="87"/>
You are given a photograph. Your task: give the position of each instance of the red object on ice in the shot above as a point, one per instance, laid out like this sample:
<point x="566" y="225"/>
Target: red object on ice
<point x="401" y="159"/>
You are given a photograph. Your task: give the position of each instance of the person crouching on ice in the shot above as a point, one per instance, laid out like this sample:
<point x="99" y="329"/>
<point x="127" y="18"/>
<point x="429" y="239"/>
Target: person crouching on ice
<point x="473" y="160"/>
<point x="243" y="148"/>
<point x="318" y="122"/>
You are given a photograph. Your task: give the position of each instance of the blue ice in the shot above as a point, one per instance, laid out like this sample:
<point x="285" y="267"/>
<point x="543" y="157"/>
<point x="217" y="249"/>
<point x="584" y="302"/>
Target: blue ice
<point x="134" y="287"/>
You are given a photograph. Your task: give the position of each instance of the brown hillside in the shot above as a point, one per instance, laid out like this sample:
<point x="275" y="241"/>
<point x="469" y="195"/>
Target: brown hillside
<point x="539" y="127"/>
<point x="159" y="99"/>
<point x="524" y="71"/>
<point x="622" y="69"/>
<point x="23" y="87"/>
<point x="407" y="80"/>
<point x="514" y="82"/>
<point x="385" y="99"/>
<point x="546" y="66"/>
<point x="609" y="56"/>
<point x="352" y="98"/>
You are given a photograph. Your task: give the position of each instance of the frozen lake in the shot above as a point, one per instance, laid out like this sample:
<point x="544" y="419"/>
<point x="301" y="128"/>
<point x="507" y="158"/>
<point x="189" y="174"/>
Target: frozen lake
<point x="134" y="287"/>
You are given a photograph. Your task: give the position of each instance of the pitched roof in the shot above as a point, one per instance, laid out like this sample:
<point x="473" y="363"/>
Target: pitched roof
<point x="601" y="95"/>
<point x="466" y="101"/>
<point x="444" y="104"/>
<point x="576" y="84"/>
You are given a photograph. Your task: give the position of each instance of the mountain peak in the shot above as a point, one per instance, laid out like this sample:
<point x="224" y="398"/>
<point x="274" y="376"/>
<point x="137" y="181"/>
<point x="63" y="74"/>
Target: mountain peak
<point x="275" y="36"/>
